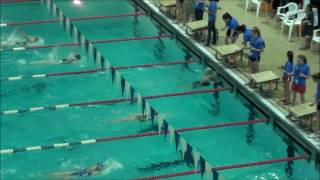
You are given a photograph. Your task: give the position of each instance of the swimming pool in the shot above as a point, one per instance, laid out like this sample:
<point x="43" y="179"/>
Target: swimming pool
<point x="124" y="158"/>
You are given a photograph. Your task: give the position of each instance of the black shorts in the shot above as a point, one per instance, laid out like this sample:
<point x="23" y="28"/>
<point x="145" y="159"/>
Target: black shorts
<point x="252" y="59"/>
<point x="318" y="106"/>
<point x="307" y="30"/>
<point x="235" y="34"/>
<point x="275" y="4"/>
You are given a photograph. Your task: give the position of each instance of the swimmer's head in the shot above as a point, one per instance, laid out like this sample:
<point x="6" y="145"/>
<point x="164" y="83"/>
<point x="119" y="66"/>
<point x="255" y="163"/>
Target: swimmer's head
<point x="78" y="56"/>
<point x="99" y="167"/>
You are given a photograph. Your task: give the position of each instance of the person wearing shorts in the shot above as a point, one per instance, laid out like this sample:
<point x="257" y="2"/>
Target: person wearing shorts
<point x="308" y="27"/>
<point x="257" y="46"/>
<point x="231" y="24"/>
<point x="287" y="69"/>
<point x="301" y="73"/>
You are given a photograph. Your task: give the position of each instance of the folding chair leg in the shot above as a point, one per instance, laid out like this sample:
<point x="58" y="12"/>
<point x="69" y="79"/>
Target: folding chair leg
<point x="247" y="4"/>
<point x="258" y="10"/>
<point x="290" y="33"/>
<point x="282" y="26"/>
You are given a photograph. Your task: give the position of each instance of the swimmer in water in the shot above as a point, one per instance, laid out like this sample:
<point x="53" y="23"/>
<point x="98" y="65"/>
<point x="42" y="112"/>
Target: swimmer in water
<point x="93" y="170"/>
<point x="135" y="117"/>
<point x="74" y="57"/>
<point x="26" y="41"/>
<point x="210" y="76"/>
<point x="158" y="166"/>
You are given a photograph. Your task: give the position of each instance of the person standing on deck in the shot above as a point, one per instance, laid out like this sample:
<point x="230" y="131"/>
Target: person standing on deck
<point x="301" y="73"/>
<point x="257" y="46"/>
<point x="187" y="11"/>
<point x="316" y="79"/>
<point x="287" y="69"/>
<point x="179" y="10"/>
<point x="231" y="24"/>
<point x="198" y="9"/>
<point x="212" y="14"/>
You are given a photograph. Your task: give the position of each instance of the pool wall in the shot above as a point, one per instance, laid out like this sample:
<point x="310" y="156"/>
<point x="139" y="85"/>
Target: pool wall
<point x="280" y="119"/>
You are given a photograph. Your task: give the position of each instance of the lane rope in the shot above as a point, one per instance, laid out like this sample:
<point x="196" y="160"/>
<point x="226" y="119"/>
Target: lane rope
<point x="139" y="135"/>
<point x="104" y="102"/>
<point x="221" y="168"/>
<point x="16" y="1"/>
<point x="70" y="44"/>
<point x="45" y="75"/>
<point x="19" y="23"/>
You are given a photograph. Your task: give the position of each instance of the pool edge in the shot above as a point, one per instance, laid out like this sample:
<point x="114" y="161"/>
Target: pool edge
<point x="279" y="118"/>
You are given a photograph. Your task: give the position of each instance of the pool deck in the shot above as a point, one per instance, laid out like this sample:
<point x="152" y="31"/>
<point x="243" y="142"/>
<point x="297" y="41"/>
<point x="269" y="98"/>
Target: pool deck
<point x="271" y="105"/>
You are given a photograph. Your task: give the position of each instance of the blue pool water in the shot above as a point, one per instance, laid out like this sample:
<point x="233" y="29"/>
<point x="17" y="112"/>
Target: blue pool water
<point x="137" y="157"/>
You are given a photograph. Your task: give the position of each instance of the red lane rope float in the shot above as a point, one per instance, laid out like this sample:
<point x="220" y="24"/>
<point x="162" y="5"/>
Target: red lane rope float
<point x="19" y="23"/>
<point x="114" y="138"/>
<point x="16" y="1"/>
<point x="20" y="77"/>
<point x="92" y="42"/>
<point x="103" y="102"/>
<point x="221" y="168"/>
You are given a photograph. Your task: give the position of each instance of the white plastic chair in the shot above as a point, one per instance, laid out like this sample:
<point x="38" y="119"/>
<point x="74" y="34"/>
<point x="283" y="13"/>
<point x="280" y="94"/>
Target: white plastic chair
<point x="256" y="2"/>
<point x="316" y="37"/>
<point x="287" y="21"/>
<point x="292" y="7"/>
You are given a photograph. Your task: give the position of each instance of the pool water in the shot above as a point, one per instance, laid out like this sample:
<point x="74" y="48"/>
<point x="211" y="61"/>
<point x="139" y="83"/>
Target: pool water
<point x="131" y="158"/>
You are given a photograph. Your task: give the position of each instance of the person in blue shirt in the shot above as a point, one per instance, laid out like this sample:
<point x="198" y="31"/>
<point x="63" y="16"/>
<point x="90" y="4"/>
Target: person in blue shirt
<point x="198" y="9"/>
<point x="257" y="46"/>
<point x="301" y="73"/>
<point x="212" y="14"/>
<point x="316" y="79"/>
<point x="287" y="70"/>
<point x="231" y="24"/>
<point x="247" y="34"/>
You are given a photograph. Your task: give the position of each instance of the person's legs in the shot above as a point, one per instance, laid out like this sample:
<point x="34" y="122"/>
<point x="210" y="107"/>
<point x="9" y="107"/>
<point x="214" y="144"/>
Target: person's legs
<point x="257" y="65"/>
<point x="210" y="30"/>
<point x="178" y="11"/>
<point x="287" y="91"/>
<point x="214" y="38"/>
<point x="302" y="98"/>
<point x="294" y="95"/>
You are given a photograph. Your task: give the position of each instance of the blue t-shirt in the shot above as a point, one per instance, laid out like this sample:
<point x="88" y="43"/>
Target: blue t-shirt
<point x="288" y="68"/>
<point x="232" y="24"/>
<point x="212" y="10"/>
<point x="247" y="35"/>
<point x="199" y="4"/>
<point x="318" y="92"/>
<point x="257" y="43"/>
<point x="298" y="69"/>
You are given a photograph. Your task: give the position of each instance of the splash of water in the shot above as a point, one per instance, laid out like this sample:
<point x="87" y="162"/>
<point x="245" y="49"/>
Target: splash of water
<point x="111" y="166"/>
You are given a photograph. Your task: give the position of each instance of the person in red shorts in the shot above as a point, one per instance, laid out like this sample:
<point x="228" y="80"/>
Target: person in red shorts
<point x="301" y="73"/>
